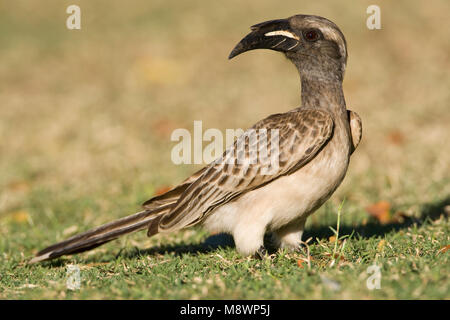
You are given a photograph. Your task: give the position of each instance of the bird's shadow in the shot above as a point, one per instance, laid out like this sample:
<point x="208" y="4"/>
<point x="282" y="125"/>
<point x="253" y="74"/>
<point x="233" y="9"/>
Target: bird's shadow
<point x="210" y="244"/>
<point x="430" y="212"/>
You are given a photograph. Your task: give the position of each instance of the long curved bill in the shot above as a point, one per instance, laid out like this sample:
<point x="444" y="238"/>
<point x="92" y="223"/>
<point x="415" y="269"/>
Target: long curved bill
<point x="274" y="35"/>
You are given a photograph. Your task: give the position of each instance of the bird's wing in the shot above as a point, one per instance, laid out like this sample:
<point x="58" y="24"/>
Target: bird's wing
<point x="251" y="163"/>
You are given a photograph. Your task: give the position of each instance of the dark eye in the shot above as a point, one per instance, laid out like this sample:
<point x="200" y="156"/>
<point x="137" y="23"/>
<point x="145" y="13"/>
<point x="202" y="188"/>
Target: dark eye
<point x="311" y="35"/>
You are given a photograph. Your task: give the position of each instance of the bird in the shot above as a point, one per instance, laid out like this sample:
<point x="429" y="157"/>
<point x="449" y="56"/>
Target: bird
<point x="311" y="144"/>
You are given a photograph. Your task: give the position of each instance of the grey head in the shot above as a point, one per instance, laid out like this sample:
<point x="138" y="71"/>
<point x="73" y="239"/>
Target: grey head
<point x="314" y="44"/>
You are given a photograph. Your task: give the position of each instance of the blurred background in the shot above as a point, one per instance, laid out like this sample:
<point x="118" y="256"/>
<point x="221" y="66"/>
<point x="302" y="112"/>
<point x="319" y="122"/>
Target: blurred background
<point x="86" y="115"/>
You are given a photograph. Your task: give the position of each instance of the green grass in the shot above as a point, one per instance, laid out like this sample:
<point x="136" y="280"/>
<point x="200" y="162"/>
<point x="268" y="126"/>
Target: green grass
<point x="195" y="265"/>
<point x="85" y="124"/>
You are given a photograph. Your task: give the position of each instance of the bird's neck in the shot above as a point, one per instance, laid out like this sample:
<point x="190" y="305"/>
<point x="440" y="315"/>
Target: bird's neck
<point x="321" y="93"/>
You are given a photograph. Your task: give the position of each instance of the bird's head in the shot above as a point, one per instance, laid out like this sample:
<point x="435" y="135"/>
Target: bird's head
<point x="314" y="44"/>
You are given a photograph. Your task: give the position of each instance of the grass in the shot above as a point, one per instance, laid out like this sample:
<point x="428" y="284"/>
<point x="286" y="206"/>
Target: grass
<point x="85" y="124"/>
<point x="190" y="265"/>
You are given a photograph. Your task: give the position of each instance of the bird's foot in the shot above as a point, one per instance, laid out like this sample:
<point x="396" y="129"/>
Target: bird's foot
<point x="261" y="253"/>
<point x="299" y="248"/>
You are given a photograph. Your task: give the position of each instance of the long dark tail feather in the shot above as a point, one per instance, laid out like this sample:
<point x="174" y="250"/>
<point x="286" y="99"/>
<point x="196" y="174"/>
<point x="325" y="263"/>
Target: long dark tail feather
<point x="95" y="237"/>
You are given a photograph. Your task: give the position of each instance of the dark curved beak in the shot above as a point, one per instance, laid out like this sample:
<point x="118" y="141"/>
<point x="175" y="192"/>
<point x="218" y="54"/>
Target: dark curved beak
<point x="274" y="35"/>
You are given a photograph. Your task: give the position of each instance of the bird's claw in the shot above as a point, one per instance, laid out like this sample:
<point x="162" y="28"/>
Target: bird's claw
<point x="261" y="253"/>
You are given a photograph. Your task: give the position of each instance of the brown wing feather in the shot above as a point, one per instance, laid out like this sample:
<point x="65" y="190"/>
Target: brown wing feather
<point x="301" y="135"/>
<point x="171" y="196"/>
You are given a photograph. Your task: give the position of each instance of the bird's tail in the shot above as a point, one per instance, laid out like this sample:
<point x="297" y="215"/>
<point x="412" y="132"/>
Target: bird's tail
<point x="100" y="235"/>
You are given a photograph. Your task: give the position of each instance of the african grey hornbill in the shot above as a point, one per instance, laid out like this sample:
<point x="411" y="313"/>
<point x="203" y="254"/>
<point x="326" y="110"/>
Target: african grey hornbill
<point x="315" y="142"/>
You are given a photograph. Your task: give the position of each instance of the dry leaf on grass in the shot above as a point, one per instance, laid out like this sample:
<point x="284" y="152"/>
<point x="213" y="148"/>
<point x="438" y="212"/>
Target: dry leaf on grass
<point x="20" y="216"/>
<point x="443" y="249"/>
<point x="336" y="256"/>
<point x="18" y="186"/>
<point x="380" y="211"/>
<point x="302" y="261"/>
<point x="332" y="239"/>
<point x="381" y="245"/>
<point x="164" y="127"/>
<point x="396" y="137"/>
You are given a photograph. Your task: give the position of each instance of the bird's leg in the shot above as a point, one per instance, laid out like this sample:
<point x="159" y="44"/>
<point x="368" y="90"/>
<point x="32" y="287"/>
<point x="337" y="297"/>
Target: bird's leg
<point x="249" y="238"/>
<point x="290" y="236"/>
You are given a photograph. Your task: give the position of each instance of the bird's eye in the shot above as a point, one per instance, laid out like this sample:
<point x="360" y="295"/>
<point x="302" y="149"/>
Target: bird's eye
<point x="311" y="35"/>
